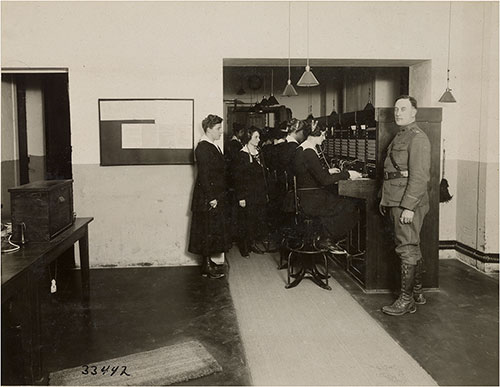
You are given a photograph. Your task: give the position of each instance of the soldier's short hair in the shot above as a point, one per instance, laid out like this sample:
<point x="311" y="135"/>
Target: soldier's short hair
<point x="412" y="100"/>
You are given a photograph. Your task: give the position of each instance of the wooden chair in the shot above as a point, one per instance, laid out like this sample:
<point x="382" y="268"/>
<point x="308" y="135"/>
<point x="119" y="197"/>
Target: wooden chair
<point x="303" y="249"/>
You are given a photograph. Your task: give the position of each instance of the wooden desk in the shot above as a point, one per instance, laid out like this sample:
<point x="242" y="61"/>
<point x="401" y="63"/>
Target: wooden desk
<point x="21" y="272"/>
<point x="377" y="269"/>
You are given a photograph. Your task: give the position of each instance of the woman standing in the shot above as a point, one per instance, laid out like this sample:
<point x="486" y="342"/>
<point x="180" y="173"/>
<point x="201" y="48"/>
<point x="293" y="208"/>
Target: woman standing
<point x="208" y="236"/>
<point x="251" y="193"/>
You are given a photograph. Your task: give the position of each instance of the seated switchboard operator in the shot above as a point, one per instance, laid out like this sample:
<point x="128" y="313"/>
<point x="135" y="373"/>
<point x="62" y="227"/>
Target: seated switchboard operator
<point x="276" y="137"/>
<point x="406" y="200"/>
<point x="297" y="133"/>
<point x="316" y="194"/>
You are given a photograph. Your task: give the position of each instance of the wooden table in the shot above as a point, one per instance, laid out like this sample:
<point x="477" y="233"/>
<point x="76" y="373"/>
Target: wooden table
<point x="21" y="272"/>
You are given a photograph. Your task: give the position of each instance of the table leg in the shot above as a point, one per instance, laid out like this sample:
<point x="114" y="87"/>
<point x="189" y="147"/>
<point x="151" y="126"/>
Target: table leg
<point x="83" y="245"/>
<point x="35" y="328"/>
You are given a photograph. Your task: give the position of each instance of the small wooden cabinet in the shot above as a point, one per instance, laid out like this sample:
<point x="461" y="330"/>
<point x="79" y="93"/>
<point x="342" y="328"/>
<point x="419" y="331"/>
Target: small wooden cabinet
<point x="44" y="207"/>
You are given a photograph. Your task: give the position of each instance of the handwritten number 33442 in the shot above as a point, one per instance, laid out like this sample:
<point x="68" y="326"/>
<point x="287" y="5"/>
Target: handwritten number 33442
<point x="92" y="370"/>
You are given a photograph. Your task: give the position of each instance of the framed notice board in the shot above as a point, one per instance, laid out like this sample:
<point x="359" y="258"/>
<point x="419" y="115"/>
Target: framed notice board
<point x="146" y="131"/>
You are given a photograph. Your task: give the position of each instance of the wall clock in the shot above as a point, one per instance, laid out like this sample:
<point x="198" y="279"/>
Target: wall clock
<point x="254" y="82"/>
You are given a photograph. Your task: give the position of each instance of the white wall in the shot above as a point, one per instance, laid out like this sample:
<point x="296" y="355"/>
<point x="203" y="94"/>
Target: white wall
<point x="387" y="84"/>
<point x="9" y="136"/>
<point x="10" y="154"/>
<point x="474" y="144"/>
<point x="35" y="118"/>
<point x="176" y="50"/>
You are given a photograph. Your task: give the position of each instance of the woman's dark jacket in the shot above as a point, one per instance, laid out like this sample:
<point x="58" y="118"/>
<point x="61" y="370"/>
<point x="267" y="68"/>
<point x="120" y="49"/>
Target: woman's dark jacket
<point x="312" y="180"/>
<point x="208" y="233"/>
<point x="210" y="181"/>
<point x="250" y="179"/>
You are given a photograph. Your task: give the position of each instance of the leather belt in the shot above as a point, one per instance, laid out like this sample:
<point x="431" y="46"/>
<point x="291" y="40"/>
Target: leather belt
<point x="395" y="175"/>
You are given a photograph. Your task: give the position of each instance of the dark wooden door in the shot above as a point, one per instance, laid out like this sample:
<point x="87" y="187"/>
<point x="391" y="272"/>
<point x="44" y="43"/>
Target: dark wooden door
<point x="57" y="127"/>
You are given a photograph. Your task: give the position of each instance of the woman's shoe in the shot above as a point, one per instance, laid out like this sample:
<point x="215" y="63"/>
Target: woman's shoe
<point x="243" y="247"/>
<point x="208" y="271"/>
<point x="255" y="249"/>
<point x="216" y="267"/>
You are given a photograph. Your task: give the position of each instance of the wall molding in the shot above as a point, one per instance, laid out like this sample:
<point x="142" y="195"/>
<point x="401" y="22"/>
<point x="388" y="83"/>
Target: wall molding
<point x="469" y="251"/>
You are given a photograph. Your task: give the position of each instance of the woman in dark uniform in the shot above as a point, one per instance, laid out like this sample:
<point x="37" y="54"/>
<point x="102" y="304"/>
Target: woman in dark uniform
<point x="208" y="236"/>
<point x="318" y="194"/>
<point x="251" y="193"/>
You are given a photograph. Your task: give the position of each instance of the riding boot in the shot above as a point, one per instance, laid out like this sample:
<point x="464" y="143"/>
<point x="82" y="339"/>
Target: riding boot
<point x="418" y="293"/>
<point x="208" y="271"/>
<point x="405" y="302"/>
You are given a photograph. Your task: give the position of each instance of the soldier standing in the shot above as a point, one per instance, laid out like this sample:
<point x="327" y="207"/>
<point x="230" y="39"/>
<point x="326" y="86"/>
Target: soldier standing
<point x="406" y="200"/>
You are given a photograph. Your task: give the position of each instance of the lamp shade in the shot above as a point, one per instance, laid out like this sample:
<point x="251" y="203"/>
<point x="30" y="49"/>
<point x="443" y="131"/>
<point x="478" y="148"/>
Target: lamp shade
<point x="307" y="79"/>
<point x="369" y="106"/>
<point x="258" y="108"/>
<point x="447" y="97"/>
<point x="272" y="101"/>
<point x="289" y="90"/>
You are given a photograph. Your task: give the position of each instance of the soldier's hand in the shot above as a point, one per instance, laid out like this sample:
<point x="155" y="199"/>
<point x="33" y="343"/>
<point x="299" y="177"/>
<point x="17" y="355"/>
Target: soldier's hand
<point x="242" y="203"/>
<point x="406" y="216"/>
<point x="381" y="209"/>
<point x="213" y="203"/>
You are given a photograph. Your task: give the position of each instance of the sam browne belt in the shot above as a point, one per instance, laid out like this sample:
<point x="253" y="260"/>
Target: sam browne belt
<point x="395" y="175"/>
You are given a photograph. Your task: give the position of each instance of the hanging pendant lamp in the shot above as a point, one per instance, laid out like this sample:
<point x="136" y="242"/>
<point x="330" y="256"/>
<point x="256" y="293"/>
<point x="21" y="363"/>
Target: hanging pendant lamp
<point x="289" y="89"/>
<point x="369" y="105"/>
<point x="447" y="97"/>
<point x="308" y="79"/>
<point x="272" y="99"/>
<point x="264" y="102"/>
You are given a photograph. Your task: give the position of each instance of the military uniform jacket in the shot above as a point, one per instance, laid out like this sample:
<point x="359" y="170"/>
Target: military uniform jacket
<point x="411" y="151"/>
<point x="210" y="181"/>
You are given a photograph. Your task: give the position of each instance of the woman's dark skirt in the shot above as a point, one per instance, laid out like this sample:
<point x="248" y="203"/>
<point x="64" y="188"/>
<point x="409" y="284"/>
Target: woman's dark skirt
<point x="208" y="232"/>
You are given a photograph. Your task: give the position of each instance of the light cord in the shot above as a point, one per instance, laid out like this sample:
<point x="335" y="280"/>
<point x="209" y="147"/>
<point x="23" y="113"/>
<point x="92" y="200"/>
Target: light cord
<point x="289" y="26"/>
<point x="449" y="44"/>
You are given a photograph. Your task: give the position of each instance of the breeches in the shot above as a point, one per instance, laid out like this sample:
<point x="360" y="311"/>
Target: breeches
<point x="407" y="236"/>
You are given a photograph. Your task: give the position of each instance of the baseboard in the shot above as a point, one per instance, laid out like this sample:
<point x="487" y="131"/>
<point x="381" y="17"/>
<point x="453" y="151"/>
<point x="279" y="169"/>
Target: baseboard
<point x="469" y="251"/>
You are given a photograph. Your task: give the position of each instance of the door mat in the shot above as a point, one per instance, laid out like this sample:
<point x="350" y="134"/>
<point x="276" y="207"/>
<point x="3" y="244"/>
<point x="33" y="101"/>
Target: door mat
<point x="159" y="367"/>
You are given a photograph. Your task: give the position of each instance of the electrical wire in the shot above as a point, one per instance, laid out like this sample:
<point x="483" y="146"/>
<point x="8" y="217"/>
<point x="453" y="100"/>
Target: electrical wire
<point x="12" y="249"/>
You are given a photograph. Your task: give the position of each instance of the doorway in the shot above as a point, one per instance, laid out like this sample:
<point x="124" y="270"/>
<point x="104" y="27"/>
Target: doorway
<point x="36" y="133"/>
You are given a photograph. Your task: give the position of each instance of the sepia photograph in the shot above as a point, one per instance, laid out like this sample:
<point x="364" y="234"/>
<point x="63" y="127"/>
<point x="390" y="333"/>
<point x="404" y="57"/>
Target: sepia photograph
<point x="249" y="193"/>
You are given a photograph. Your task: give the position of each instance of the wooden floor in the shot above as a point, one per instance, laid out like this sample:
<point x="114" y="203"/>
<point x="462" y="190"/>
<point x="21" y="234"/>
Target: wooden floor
<point x="454" y="337"/>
